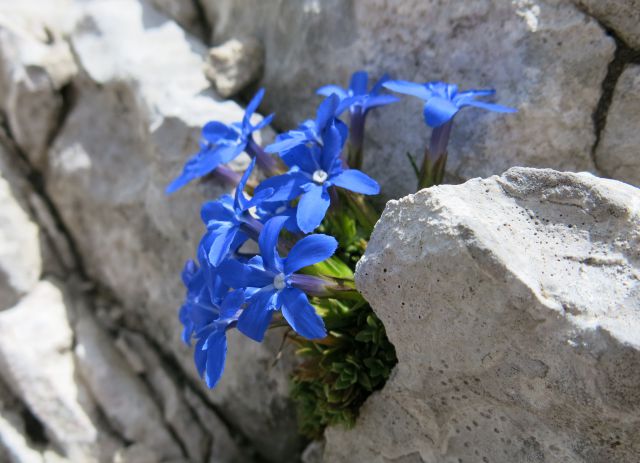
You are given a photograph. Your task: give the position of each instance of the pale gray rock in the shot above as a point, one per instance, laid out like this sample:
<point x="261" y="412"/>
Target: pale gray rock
<point x="623" y="16"/>
<point x="513" y="306"/>
<point x="545" y="58"/>
<point x="20" y="252"/>
<point x="234" y="65"/>
<point x="37" y="364"/>
<point x="123" y="397"/>
<point x="618" y="153"/>
<point x="184" y="12"/>
<point x="34" y="66"/>
<point x="137" y="117"/>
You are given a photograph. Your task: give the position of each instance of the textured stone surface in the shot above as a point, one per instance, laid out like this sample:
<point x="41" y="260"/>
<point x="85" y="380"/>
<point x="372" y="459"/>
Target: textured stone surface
<point x="618" y="153"/>
<point x="20" y="253"/>
<point x="37" y="364"/>
<point x="513" y="306"/>
<point x="623" y="16"/>
<point x="235" y="64"/>
<point x="137" y="116"/>
<point x="546" y="58"/>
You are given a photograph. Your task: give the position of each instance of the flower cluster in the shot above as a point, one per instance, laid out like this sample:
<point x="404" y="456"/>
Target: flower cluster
<point x="294" y="275"/>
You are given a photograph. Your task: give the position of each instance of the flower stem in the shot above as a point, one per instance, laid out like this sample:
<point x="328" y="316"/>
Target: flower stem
<point x="356" y="138"/>
<point x="265" y="161"/>
<point x="435" y="157"/>
<point x="226" y="176"/>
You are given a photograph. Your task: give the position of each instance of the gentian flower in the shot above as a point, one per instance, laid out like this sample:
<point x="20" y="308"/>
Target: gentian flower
<point x="273" y="282"/>
<point x="310" y="131"/>
<point x="313" y="170"/>
<point x="359" y="101"/>
<point x="229" y="223"/>
<point x="221" y="143"/>
<point x="268" y="210"/>
<point x="209" y="310"/>
<point x="442" y="103"/>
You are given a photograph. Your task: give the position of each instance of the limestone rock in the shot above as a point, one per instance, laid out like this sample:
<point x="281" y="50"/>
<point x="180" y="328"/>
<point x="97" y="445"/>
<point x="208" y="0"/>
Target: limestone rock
<point x="137" y="117"/>
<point x="20" y="252"/>
<point x="513" y="306"/>
<point x="234" y="64"/>
<point x="185" y="13"/>
<point x="36" y="362"/>
<point x="546" y="58"/>
<point x="623" y="16"/>
<point x="618" y="153"/>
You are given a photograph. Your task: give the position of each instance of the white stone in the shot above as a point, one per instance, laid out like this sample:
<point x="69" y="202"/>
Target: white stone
<point x="513" y="303"/>
<point x="234" y="65"/>
<point x="618" y="153"/>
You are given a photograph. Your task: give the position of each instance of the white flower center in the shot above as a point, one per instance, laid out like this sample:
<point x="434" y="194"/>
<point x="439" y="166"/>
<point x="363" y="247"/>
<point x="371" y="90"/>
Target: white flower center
<point x="279" y="281"/>
<point x="319" y="176"/>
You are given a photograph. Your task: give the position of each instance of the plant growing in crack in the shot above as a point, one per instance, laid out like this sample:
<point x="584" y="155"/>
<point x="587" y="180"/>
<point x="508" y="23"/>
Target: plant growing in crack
<point x="311" y="219"/>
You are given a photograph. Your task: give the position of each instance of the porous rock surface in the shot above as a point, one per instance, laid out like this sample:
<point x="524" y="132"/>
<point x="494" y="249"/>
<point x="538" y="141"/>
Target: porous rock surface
<point x="514" y="306"/>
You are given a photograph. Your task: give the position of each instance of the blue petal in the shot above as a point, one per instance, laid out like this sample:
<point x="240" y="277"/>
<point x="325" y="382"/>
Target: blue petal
<point x="438" y="111"/>
<point x="489" y="106"/>
<point x="331" y="89"/>
<point x="303" y="157"/>
<point x="268" y="243"/>
<point x="326" y="111"/>
<point x="377" y="87"/>
<point x="264" y="122"/>
<point x="409" y="88"/>
<point x="216" y="350"/>
<point x="255" y="319"/>
<point x="252" y="106"/>
<point x="474" y="93"/>
<point x="379" y="100"/>
<point x="231" y="304"/>
<point x="239" y="275"/>
<point x="332" y="146"/>
<point x="356" y="181"/>
<point x="241" y="203"/>
<point x="301" y="315"/>
<point x="222" y="237"/>
<point x="220" y="210"/>
<point x="286" y="141"/>
<point x="188" y="271"/>
<point x="359" y="81"/>
<point x="308" y="251"/>
<point x="285" y="187"/>
<point x="312" y="208"/>
<point x="200" y="356"/>
<point x="343" y="129"/>
<point x="215" y="131"/>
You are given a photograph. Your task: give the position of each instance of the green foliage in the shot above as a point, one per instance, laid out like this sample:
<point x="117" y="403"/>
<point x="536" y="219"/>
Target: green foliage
<point x="340" y="371"/>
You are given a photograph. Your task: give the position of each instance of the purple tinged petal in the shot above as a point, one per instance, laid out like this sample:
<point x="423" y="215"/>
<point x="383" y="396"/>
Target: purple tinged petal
<point x="359" y="81"/>
<point x="439" y="110"/>
<point x="239" y="275"/>
<point x="356" y="181"/>
<point x="268" y="243"/>
<point x="409" y="88"/>
<point x="255" y="319"/>
<point x="308" y="251"/>
<point x="312" y="208"/>
<point x="216" y="352"/>
<point x="301" y="315"/>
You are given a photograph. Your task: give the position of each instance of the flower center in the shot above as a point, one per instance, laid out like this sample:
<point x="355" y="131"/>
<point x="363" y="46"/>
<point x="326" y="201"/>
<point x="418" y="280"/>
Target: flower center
<point x="279" y="281"/>
<point x="319" y="176"/>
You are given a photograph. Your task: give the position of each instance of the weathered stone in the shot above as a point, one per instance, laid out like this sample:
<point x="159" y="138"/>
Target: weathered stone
<point x="546" y="58"/>
<point x="36" y="362"/>
<point x="137" y="116"/>
<point x="184" y="12"/>
<point x="123" y="397"/>
<point x="513" y="306"/>
<point x="234" y="65"/>
<point x="618" y="153"/>
<point x="20" y="252"/>
<point x="623" y="16"/>
<point x="34" y="66"/>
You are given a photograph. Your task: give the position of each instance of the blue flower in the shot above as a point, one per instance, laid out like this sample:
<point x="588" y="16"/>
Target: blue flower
<point x="208" y="311"/>
<point x="220" y="144"/>
<point x="310" y="132"/>
<point x="271" y="279"/>
<point x="442" y="100"/>
<point x="356" y="97"/>
<point x="229" y="224"/>
<point x="313" y="171"/>
<point x="268" y="210"/>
